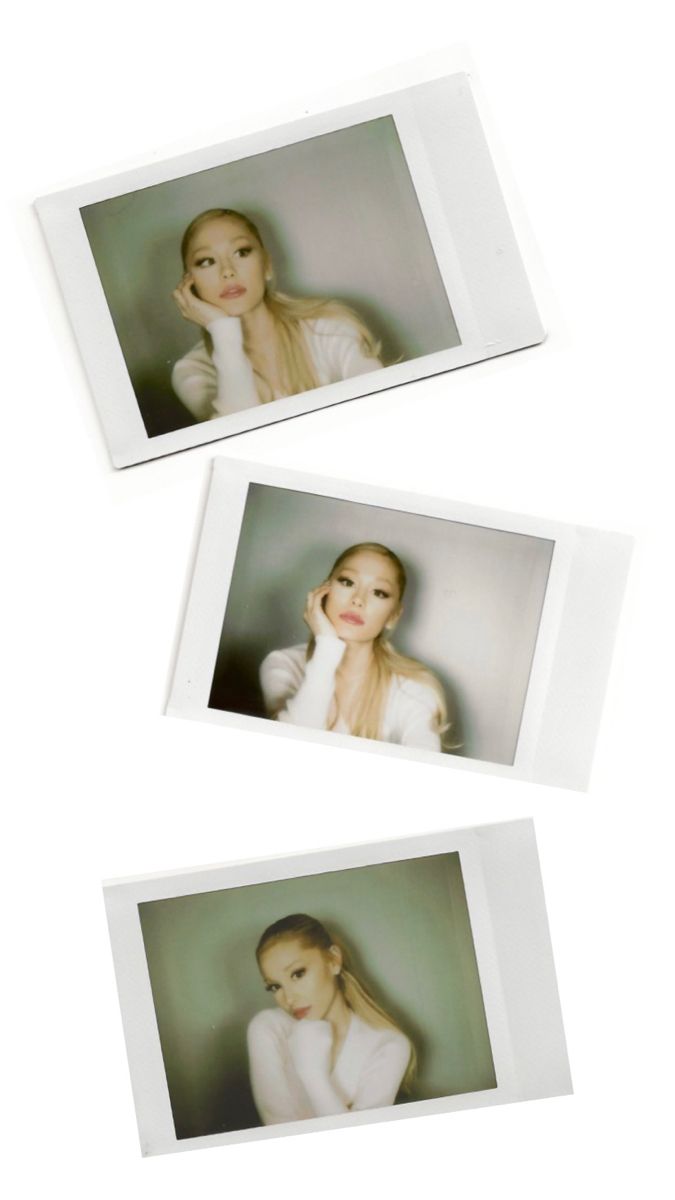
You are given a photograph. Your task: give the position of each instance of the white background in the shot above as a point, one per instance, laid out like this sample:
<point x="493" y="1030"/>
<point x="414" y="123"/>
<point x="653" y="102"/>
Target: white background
<point x="96" y="565"/>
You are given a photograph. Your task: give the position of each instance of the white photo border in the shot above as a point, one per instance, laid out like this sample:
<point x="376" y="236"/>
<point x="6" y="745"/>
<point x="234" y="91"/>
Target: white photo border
<point x="453" y="175"/>
<point x="572" y="657"/>
<point x="505" y="899"/>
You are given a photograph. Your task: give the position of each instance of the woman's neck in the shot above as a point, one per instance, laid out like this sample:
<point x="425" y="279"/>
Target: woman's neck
<point x="356" y="660"/>
<point x="338" y="1015"/>
<point x="258" y="327"/>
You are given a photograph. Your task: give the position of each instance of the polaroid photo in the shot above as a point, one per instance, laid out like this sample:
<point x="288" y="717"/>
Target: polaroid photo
<point x="401" y="624"/>
<point x="333" y="257"/>
<point x="283" y="996"/>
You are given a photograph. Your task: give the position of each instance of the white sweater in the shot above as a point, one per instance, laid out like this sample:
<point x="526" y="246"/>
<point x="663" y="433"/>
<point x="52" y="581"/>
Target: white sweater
<point x="367" y="1073"/>
<point x="302" y="693"/>
<point x="215" y="385"/>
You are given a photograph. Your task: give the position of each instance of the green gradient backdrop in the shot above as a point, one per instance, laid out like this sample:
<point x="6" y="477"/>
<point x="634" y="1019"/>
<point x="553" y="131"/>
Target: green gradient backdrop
<point x="407" y="930"/>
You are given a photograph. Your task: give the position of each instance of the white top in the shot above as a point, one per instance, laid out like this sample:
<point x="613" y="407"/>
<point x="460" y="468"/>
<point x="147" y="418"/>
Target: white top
<point x="302" y="692"/>
<point x="291" y="1077"/>
<point x="217" y="384"/>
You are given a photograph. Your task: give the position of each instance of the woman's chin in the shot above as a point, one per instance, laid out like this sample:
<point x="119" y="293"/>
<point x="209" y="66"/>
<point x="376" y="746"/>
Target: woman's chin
<point x="352" y="635"/>
<point x="231" y="308"/>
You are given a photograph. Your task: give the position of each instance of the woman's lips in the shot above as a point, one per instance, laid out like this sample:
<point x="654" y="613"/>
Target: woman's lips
<point x="299" y="1013"/>
<point x="231" y="293"/>
<point x="352" y="618"/>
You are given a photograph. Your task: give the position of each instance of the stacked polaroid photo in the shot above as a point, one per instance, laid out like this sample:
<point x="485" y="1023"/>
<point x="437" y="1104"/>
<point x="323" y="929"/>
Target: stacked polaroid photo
<point x="241" y="285"/>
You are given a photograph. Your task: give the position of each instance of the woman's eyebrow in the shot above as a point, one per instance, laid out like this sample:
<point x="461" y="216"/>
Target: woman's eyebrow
<point x="241" y="237"/>
<point x="297" y="962"/>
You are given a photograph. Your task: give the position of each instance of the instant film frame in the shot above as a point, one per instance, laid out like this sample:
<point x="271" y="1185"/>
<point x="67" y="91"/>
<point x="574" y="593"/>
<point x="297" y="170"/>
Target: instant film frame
<point x="484" y="923"/>
<point x="514" y="615"/>
<point x="390" y="204"/>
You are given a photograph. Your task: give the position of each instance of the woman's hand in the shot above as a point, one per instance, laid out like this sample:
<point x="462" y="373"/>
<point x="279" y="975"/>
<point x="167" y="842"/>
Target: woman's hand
<point x="192" y="308"/>
<point x="310" y="1045"/>
<point x="315" y="616"/>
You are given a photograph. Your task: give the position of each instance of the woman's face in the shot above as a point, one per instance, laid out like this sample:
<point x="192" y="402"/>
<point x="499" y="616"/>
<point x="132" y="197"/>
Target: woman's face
<point x="228" y="266"/>
<point x="364" y="596"/>
<point x="302" y="979"/>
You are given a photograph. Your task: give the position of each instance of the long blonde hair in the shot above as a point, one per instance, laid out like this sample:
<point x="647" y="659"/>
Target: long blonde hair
<point x="388" y="663"/>
<point x="288" y="312"/>
<point x="312" y="934"/>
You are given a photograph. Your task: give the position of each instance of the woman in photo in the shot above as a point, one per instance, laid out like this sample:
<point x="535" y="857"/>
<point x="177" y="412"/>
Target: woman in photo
<point x="328" y="1047"/>
<point x="258" y="344"/>
<point x="349" y="678"/>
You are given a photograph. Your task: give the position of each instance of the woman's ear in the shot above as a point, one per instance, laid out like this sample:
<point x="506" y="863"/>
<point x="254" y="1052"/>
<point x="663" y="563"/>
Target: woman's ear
<point x="394" y="620"/>
<point x="336" y="959"/>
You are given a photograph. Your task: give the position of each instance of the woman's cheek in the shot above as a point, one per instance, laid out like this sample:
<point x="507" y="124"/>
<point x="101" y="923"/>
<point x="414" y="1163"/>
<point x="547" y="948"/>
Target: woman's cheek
<point x="206" y="288"/>
<point x="331" y="606"/>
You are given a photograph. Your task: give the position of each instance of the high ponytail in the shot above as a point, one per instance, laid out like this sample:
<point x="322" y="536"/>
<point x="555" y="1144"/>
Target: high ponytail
<point x="313" y="934"/>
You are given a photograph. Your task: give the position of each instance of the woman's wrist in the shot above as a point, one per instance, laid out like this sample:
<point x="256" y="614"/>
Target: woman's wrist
<point x="310" y="1044"/>
<point x="329" y="648"/>
<point x="224" y="327"/>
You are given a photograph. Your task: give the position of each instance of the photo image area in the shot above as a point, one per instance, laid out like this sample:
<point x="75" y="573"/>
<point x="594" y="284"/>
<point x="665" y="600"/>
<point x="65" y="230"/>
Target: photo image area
<point x="471" y="612"/>
<point x="407" y="929"/>
<point x="340" y="219"/>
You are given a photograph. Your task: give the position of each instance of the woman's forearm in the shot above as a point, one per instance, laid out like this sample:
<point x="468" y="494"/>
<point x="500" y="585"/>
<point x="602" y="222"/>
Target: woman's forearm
<point x="323" y="1096"/>
<point x="220" y="383"/>
<point x="310" y="1046"/>
<point x="236" y="389"/>
<point x="309" y="702"/>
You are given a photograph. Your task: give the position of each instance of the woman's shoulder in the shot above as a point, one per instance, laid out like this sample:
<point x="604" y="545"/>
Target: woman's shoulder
<point x="332" y="327"/>
<point x="269" y="1022"/>
<point x="422" y="690"/>
<point x="197" y="355"/>
<point x="379" y="1037"/>
<point x="294" y="657"/>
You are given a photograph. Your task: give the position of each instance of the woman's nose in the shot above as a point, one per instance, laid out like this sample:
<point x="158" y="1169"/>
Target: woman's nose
<point x="227" y="269"/>
<point x="357" y="599"/>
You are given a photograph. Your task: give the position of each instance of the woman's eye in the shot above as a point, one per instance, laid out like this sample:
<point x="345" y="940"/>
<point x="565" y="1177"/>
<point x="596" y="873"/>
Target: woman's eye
<point x="381" y="595"/>
<point x="272" y="987"/>
<point x="298" y="974"/>
<point x="204" y="262"/>
<point x="244" y="251"/>
<point x="345" y="582"/>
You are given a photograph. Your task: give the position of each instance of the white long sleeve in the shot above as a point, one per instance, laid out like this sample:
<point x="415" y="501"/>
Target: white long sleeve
<point x="277" y="1091"/>
<point x="414" y="708"/>
<point x="301" y="693"/>
<point x="310" y="1044"/>
<point x="368" y="1072"/>
<point x="381" y="1078"/>
<point x="217" y="384"/>
<point x="298" y="691"/>
<point x="337" y="350"/>
<point x="221" y="383"/>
